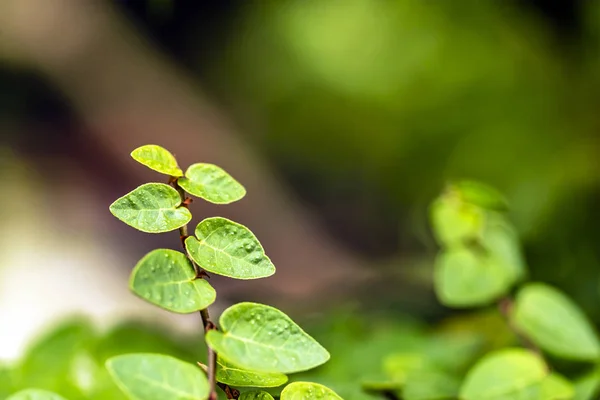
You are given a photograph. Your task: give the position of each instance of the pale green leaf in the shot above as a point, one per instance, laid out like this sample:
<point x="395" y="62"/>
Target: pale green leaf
<point x="262" y="338"/>
<point x="504" y="375"/>
<point x="256" y="395"/>
<point x="167" y="279"/>
<point x="152" y="208"/>
<point x="158" y="159"/>
<point x="587" y="387"/>
<point x="308" y="391"/>
<point x="227" y="248"/>
<point x="557" y="387"/>
<point x="157" y="377"/>
<point x="234" y="376"/>
<point x="455" y="222"/>
<point x="501" y="243"/>
<point x="555" y="323"/>
<point x="212" y="184"/>
<point x="464" y="278"/>
<point x="35" y="394"/>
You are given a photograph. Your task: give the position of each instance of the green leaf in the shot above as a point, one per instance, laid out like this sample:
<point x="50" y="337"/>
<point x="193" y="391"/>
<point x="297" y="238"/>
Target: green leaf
<point x="152" y="208"/>
<point x="157" y="377"/>
<point x="211" y="183"/>
<point x="555" y="323"/>
<point x="234" y="376"/>
<point x="557" y="387"/>
<point x="505" y="374"/>
<point x="167" y="279"/>
<point x="262" y="338"/>
<point x="227" y="248"/>
<point x="35" y="394"/>
<point x="464" y="278"/>
<point x="158" y="159"/>
<point x="587" y="386"/>
<point x="481" y="195"/>
<point x="256" y="395"/>
<point x="308" y="391"/>
<point x="430" y="385"/>
<point x="501" y="242"/>
<point x="454" y="222"/>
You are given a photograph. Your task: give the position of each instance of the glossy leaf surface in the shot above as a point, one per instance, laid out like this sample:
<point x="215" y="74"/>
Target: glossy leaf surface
<point x="152" y="208"/>
<point x="262" y="338"/>
<point x="256" y="395"/>
<point x="157" y="377"/>
<point x="555" y="323"/>
<point x="167" y="279"/>
<point x="234" y="376"/>
<point x="211" y="183"/>
<point x="308" y="391"/>
<point x="158" y="159"/>
<point x="227" y="248"/>
<point x="505" y="374"/>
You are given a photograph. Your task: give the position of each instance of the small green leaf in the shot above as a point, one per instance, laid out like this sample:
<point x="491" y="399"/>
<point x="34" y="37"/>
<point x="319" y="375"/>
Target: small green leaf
<point x="227" y="248"/>
<point x="557" y="387"/>
<point x="505" y="374"/>
<point x="262" y="338"/>
<point x="152" y="208"/>
<point x="464" y="278"/>
<point x="234" y="376"/>
<point x="501" y="242"/>
<point x="481" y="195"/>
<point x="256" y="395"/>
<point x="167" y="279"/>
<point x="308" y="391"/>
<point x="158" y="159"/>
<point x="430" y="385"/>
<point x="555" y="323"/>
<point x="455" y="222"/>
<point x="35" y="394"/>
<point x="211" y="183"/>
<point x="587" y="386"/>
<point x="157" y="377"/>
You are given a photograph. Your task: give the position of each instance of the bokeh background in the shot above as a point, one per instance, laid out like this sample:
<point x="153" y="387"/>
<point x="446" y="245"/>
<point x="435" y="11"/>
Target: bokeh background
<point x="344" y="119"/>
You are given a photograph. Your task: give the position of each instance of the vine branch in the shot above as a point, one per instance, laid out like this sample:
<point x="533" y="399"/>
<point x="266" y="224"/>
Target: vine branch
<point x="208" y="325"/>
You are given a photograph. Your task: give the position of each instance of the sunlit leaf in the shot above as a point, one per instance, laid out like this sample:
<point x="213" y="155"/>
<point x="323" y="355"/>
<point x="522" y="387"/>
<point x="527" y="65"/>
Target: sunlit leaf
<point x="262" y="338"/>
<point x="587" y="386"/>
<point x="501" y="243"/>
<point x="455" y="222"/>
<point x="256" y="395"/>
<point x="157" y="377"/>
<point x="167" y="279"/>
<point x="308" y="391"/>
<point x="555" y="323"/>
<point x="158" y="159"/>
<point x="464" y="278"/>
<point x="481" y="195"/>
<point x="556" y="387"/>
<point x="234" y="376"/>
<point x="152" y="208"/>
<point x="505" y="374"/>
<point x="35" y="394"/>
<point x="227" y="248"/>
<point x="212" y="184"/>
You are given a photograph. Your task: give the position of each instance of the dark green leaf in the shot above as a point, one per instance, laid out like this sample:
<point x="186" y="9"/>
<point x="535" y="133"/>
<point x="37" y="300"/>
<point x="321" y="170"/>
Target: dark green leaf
<point x="152" y="208"/>
<point x="212" y="184"/>
<point x="158" y="159"/>
<point x="167" y="279"/>
<point x="262" y="338"/>
<point x="227" y="248"/>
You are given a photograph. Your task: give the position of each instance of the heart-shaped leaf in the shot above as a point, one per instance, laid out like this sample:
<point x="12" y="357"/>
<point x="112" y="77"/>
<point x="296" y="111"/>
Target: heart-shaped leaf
<point x="262" y="338"/>
<point x="505" y="374"/>
<point x="152" y="208"/>
<point x="167" y="279"/>
<point x="227" y="248"/>
<point x="308" y="391"/>
<point x="464" y="278"/>
<point x="35" y="394"/>
<point x="158" y="159"/>
<point x="234" y="376"/>
<point x="555" y="323"/>
<point x="211" y="183"/>
<point x="157" y="377"/>
<point x="256" y="395"/>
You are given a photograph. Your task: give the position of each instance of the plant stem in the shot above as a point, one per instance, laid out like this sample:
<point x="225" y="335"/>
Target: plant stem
<point x="204" y="314"/>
